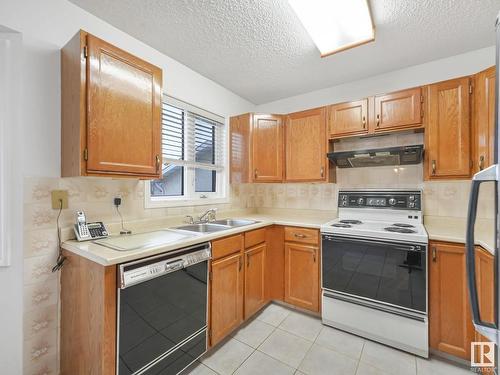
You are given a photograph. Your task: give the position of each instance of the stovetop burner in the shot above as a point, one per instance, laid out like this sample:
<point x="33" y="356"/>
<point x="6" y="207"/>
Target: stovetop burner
<point x="403" y="225"/>
<point x="346" y="221"/>
<point x="341" y="225"/>
<point x="399" y="230"/>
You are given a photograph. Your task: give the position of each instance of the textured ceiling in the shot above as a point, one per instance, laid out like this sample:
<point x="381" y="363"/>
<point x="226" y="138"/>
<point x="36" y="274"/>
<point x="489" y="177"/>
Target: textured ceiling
<point x="260" y="50"/>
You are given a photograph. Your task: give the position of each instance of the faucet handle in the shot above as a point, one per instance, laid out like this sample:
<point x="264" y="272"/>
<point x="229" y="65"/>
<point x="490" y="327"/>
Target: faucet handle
<point x="189" y="219"/>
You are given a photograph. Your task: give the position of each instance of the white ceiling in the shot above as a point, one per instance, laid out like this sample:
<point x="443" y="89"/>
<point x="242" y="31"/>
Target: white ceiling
<point x="260" y="50"/>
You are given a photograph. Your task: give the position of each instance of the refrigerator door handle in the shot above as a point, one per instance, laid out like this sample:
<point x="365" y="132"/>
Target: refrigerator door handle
<point x="486" y="329"/>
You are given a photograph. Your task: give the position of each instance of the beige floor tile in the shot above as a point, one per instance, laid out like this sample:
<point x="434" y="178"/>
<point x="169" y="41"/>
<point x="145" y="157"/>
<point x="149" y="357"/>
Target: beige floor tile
<point x="434" y="366"/>
<point x="305" y="326"/>
<point x="340" y="341"/>
<point x="286" y="347"/>
<point x="320" y="360"/>
<point x="254" y="333"/>
<point x="387" y="359"/>
<point x="260" y="363"/>
<point x="228" y="357"/>
<point x="273" y="314"/>
<point x="364" y="369"/>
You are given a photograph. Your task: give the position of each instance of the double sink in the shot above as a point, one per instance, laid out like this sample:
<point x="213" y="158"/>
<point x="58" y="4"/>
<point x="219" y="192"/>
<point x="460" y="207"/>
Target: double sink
<point x="215" y="226"/>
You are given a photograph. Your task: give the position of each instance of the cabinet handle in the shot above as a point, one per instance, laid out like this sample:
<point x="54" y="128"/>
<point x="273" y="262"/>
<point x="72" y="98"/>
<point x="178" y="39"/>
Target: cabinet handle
<point x="481" y="162"/>
<point x="300" y="235"/>
<point x="434" y="255"/>
<point x="314" y="255"/>
<point x="255" y="173"/>
<point x="364" y="122"/>
<point x="157" y="163"/>
<point x="322" y="172"/>
<point x="378" y="121"/>
<point x="239" y="263"/>
<point x="433" y="167"/>
<point x="248" y="260"/>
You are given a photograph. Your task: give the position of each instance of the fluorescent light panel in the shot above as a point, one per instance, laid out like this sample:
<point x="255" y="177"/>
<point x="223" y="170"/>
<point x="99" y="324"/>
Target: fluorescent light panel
<point x="335" y="25"/>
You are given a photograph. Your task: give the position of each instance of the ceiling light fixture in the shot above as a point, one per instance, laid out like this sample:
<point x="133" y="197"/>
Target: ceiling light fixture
<point x="336" y="25"/>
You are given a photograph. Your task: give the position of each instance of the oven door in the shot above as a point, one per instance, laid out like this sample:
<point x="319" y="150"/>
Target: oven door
<point x="158" y="315"/>
<point x="376" y="272"/>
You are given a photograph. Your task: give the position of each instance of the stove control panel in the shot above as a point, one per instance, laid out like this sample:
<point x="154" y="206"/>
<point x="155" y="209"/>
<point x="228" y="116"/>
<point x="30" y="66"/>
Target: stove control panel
<point x="402" y="200"/>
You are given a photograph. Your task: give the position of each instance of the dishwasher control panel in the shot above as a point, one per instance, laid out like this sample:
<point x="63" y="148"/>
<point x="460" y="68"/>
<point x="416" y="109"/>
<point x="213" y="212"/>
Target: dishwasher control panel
<point x="150" y="268"/>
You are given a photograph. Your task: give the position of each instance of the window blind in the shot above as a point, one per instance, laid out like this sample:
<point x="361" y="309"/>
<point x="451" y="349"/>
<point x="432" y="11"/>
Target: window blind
<point x="191" y="136"/>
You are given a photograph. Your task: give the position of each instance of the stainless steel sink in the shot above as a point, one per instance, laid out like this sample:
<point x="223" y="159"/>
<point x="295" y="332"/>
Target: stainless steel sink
<point x="234" y="222"/>
<point x="203" y="227"/>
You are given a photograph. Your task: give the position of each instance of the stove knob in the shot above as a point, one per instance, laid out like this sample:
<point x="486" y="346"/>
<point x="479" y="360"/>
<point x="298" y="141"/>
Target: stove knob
<point x="361" y="201"/>
<point x="411" y="198"/>
<point x="392" y="201"/>
<point x="343" y="203"/>
<point x="412" y="204"/>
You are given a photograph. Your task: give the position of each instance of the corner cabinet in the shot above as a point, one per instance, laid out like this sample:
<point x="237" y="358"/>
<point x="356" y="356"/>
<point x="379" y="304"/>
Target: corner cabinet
<point x="239" y="148"/>
<point x="111" y="111"/>
<point x="305" y="146"/>
<point x="484" y="119"/>
<point x="267" y="148"/>
<point x="447" y="136"/>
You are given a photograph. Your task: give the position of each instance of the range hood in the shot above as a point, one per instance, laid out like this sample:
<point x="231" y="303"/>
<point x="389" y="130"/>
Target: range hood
<point x="402" y="155"/>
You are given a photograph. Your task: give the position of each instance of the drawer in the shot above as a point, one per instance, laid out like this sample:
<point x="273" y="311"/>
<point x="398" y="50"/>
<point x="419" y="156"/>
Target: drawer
<point x="227" y="246"/>
<point x="255" y="237"/>
<point x="302" y="235"/>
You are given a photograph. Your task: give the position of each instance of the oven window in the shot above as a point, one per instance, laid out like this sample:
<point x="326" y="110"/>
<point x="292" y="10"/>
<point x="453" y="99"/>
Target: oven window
<point x="382" y="272"/>
<point x="158" y="314"/>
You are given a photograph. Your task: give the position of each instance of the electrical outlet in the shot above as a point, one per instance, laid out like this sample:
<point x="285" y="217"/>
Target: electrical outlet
<point x="57" y="196"/>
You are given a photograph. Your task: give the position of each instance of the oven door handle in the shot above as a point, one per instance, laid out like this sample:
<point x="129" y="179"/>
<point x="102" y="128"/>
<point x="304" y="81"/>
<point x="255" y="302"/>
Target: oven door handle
<point x="414" y="248"/>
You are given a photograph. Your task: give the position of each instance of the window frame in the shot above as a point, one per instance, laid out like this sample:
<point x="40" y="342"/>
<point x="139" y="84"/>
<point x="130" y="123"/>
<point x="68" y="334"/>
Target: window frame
<point x="190" y="197"/>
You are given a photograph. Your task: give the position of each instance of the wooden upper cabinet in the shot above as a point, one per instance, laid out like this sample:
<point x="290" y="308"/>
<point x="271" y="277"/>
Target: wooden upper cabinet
<point x="448" y="151"/>
<point x="484" y="119"/>
<point x="111" y="111"/>
<point x="255" y="279"/>
<point x="267" y="148"/>
<point x="399" y="110"/>
<point x="450" y="321"/>
<point x="305" y="146"/>
<point x="348" y="119"/>
<point x="239" y="148"/>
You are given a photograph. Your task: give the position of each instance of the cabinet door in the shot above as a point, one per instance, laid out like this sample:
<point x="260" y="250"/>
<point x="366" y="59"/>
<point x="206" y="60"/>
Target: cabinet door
<point x="226" y="307"/>
<point x="267" y="148"/>
<point x="399" y="110"/>
<point x="484" y="119"/>
<point x="448" y="132"/>
<point x="123" y="112"/>
<point x="305" y="135"/>
<point x="301" y="276"/>
<point x="239" y="149"/>
<point x="485" y="279"/>
<point x="451" y="329"/>
<point x="255" y="293"/>
<point x="348" y="119"/>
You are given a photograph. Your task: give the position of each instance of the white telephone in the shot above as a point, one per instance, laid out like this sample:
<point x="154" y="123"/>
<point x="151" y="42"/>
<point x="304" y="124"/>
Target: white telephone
<point x="88" y="231"/>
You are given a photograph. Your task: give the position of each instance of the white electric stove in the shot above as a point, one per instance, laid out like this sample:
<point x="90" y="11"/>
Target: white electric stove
<point x="374" y="268"/>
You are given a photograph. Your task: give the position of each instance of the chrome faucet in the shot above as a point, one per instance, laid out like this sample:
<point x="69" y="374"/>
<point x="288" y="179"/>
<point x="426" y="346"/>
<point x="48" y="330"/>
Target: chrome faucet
<point x="208" y="216"/>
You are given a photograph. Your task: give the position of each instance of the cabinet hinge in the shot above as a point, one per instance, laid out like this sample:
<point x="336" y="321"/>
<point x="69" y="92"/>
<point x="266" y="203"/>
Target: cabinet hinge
<point x="85" y="52"/>
<point x="470" y="89"/>
<point x="421" y="98"/>
<point x="422" y="113"/>
<point x="86" y="154"/>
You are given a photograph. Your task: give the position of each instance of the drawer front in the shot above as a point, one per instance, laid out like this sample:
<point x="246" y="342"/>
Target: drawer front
<point x="227" y="246"/>
<point x="255" y="237"/>
<point x="302" y="235"/>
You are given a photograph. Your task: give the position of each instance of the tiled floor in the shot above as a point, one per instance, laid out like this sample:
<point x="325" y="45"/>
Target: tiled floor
<point x="283" y="341"/>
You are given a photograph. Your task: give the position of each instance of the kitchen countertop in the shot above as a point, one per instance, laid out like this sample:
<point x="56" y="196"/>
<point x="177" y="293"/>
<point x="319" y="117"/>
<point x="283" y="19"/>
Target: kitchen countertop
<point x="452" y="229"/>
<point x="107" y="256"/>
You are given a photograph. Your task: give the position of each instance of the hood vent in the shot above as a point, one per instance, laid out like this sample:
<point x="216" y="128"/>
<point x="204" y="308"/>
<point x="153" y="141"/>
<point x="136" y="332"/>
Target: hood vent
<point x="402" y="155"/>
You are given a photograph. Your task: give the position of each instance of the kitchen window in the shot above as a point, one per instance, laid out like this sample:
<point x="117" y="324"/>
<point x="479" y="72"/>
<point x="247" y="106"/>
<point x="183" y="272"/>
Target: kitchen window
<point x="194" y="158"/>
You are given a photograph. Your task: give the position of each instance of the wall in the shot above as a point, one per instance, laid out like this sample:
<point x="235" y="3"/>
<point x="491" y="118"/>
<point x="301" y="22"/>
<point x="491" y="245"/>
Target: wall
<point x="45" y="27"/>
<point x="434" y="71"/>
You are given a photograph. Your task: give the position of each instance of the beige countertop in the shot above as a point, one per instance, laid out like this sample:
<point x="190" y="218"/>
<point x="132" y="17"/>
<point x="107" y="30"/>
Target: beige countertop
<point x="107" y="256"/>
<point x="452" y="229"/>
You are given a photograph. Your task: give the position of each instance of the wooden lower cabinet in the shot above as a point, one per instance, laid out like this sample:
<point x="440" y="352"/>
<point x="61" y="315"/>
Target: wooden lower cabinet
<point x="451" y="329"/>
<point x="255" y="279"/>
<point x="226" y="293"/>
<point x="302" y="275"/>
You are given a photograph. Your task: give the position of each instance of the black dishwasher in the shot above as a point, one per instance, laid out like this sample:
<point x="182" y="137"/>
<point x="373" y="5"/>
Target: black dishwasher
<point x="162" y="312"/>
